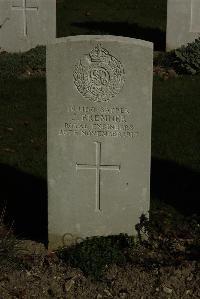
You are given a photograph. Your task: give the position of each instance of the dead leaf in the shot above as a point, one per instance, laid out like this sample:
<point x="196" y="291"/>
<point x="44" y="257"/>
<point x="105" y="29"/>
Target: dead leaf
<point x="10" y="129"/>
<point x="8" y="150"/>
<point x="69" y="284"/>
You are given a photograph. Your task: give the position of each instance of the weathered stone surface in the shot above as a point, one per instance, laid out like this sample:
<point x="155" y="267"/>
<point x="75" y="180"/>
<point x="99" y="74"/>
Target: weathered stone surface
<point x="99" y="92"/>
<point x="183" y="22"/>
<point x="24" y="24"/>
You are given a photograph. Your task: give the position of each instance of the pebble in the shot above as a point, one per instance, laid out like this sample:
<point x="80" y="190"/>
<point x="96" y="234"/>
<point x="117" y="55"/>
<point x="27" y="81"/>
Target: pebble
<point x="108" y="293"/>
<point x="167" y="290"/>
<point x="190" y="277"/>
<point x="69" y="284"/>
<point x="123" y="295"/>
<point x="188" y="292"/>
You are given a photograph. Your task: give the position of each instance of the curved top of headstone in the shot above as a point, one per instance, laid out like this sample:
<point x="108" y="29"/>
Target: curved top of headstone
<point x="101" y="38"/>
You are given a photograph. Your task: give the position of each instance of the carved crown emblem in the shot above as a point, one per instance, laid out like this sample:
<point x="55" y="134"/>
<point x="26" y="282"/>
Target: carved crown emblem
<point x="99" y="76"/>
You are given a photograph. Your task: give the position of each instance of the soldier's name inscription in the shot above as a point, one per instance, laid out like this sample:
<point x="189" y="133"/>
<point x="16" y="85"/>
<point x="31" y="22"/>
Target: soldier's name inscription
<point x="98" y="121"/>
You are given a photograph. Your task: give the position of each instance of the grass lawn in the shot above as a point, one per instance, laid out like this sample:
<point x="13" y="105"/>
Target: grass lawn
<point x="175" y="120"/>
<point x="23" y="125"/>
<point x="147" y="14"/>
<point x="144" y="19"/>
<point x="175" y="130"/>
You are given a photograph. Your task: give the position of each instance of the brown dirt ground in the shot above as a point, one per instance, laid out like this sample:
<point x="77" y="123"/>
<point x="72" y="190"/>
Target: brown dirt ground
<point x="47" y="277"/>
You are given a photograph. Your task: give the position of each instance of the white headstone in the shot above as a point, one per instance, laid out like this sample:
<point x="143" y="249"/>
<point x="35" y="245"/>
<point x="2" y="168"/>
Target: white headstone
<point x="195" y="16"/>
<point x="99" y="92"/>
<point x="24" y="24"/>
<point x="183" y="22"/>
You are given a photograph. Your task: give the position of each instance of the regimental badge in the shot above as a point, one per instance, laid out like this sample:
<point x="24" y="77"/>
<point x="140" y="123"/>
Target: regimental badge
<point x="99" y="76"/>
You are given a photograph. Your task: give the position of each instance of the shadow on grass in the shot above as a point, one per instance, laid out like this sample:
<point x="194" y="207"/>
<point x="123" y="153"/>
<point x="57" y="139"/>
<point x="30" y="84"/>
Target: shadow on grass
<point x="126" y="29"/>
<point x="25" y="199"/>
<point x="176" y="186"/>
<point x="25" y="196"/>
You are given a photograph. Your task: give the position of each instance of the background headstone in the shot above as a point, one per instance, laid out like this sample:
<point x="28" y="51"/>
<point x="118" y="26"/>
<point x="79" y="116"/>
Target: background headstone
<point x="195" y="16"/>
<point x="24" y="24"/>
<point x="99" y="92"/>
<point x="183" y="22"/>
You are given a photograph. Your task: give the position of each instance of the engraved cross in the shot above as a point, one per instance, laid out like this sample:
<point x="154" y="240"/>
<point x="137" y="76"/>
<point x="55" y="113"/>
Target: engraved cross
<point x="24" y="8"/>
<point x="4" y="21"/>
<point x="98" y="167"/>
